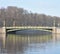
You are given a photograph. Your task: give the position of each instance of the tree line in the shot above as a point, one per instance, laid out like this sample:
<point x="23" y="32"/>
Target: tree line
<point x="23" y="17"/>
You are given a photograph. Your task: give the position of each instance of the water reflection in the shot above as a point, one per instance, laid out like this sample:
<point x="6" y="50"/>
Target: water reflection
<point x="56" y="37"/>
<point x="26" y="44"/>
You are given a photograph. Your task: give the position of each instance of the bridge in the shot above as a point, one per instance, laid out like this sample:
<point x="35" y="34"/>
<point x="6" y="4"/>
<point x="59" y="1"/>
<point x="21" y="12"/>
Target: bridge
<point x="5" y="29"/>
<point x="9" y="29"/>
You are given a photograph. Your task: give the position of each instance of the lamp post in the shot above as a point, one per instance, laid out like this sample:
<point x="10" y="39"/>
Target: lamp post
<point x="13" y="22"/>
<point x="54" y="23"/>
<point x="4" y="24"/>
<point x="58" y="24"/>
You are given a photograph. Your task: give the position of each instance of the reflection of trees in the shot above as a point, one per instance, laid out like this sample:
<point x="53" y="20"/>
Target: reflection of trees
<point x="40" y="39"/>
<point x="14" y="45"/>
<point x="17" y="43"/>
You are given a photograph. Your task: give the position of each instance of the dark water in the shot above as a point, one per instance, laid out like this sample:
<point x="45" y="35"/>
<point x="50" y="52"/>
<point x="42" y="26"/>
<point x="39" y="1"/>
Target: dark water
<point x="30" y="44"/>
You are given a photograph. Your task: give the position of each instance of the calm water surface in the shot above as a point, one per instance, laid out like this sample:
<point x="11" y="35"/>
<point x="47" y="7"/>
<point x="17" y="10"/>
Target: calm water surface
<point x="30" y="44"/>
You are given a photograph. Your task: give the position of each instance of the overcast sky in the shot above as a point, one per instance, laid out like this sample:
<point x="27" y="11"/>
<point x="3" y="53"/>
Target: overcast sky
<point x="48" y="7"/>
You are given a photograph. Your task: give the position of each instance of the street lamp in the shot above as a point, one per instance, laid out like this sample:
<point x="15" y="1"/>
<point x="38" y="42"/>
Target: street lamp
<point x="58" y="24"/>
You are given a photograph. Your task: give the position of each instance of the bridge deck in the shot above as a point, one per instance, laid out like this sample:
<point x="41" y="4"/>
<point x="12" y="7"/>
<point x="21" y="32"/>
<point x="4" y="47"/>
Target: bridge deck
<point x="29" y="27"/>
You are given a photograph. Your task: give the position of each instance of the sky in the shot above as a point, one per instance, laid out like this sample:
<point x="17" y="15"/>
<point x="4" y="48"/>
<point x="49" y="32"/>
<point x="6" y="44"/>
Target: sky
<point x="48" y="7"/>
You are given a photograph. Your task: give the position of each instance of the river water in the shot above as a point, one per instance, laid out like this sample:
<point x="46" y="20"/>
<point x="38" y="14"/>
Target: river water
<point x="30" y="44"/>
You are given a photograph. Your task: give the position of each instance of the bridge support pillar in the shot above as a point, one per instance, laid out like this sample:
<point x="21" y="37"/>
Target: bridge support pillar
<point x="3" y="35"/>
<point x="4" y="31"/>
<point x="54" y="30"/>
<point x="13" y="23"/>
